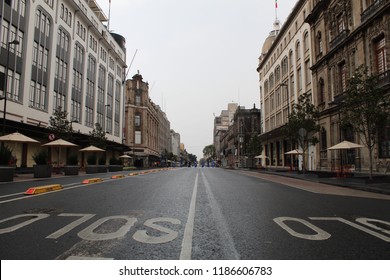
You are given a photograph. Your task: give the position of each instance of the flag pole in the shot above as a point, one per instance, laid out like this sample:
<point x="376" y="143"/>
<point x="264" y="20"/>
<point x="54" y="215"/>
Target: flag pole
<point x="109" y="15"/>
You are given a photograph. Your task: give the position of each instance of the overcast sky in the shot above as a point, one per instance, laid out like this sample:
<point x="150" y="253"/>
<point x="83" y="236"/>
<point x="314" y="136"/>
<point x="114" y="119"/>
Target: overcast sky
<point x="197" y="55"/>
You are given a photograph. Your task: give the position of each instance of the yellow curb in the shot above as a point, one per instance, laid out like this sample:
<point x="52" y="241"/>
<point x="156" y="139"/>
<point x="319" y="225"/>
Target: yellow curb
<point x="117" y="176"/>
<point x="43" y="189"/>
<point x="93" y="180"/>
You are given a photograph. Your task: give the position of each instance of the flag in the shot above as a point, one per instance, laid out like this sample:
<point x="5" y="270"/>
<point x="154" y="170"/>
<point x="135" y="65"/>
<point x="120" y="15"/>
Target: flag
<point x="276" y="4"/>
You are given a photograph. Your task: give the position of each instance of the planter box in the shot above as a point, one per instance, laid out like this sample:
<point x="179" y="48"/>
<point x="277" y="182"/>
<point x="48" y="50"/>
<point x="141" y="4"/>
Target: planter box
<point x="71" y="169"/>
<point x="90" y="169"/>
<point x="7" y="173"/>
<point x="113" y="168"/>
<point x="102" y="168"/>
<point x="95" y="169"/>
<point x="42" y="170"/>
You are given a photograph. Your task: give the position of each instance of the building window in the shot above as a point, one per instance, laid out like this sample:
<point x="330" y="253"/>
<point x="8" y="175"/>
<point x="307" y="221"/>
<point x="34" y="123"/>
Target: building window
<point x="384" y="143"/>
<point x="90" y="92"/>
<point x="77" y="84"/>
<point x="343" y="77"/>
<point x="40" y="62"/>
<point x="319" y="46"/>
<point x="307" y="72"/>
<point x="299" y="79"/>
<point x="118" y="90"/>
<point x="321" y="91"/>
<point x="306" y="43"/>
<point x="380" y="55"/>
<point x="61" y="70"/>
<point x="100" y="95"/>
<point x="298" y="51"/>
<point x="137" y="139"/>
<point x="137" y="120"/>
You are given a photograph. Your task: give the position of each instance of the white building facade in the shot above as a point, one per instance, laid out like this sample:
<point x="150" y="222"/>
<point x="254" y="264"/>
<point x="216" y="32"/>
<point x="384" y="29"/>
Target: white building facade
<point x="284" y="75"/>
<point x="64" y="57"/>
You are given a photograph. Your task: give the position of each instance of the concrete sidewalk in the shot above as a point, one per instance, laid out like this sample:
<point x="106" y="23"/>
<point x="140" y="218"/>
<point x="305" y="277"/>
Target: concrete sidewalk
<point x="358" y="181"/>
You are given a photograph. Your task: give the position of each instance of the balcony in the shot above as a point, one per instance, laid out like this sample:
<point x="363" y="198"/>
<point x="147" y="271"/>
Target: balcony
<point x="384" y="79"/>
<point x="339" y="38"/>
<point x="371" y="10"/>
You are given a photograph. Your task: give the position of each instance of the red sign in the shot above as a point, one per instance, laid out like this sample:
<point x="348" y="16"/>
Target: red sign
<point x="52" y="137"/>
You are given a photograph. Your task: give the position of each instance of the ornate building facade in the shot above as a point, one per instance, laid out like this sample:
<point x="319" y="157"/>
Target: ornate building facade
<point x="345" y="35"/>
<point x="141" y="123"/>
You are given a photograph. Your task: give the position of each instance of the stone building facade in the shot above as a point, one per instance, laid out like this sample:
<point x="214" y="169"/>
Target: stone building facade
<point x="345" y="35"/>
<point x="141" y="123"/>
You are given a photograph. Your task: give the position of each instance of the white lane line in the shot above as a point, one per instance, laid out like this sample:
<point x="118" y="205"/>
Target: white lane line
<point x="186" y="246"/>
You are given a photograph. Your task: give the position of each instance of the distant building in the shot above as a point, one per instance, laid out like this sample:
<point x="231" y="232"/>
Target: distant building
<point x="221" y="126"/>
<point x="142" y="123"/>
<point x="234" y="142"/>
<point x="175" y="137"/>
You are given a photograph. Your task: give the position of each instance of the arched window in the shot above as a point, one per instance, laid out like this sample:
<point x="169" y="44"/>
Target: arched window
<point x="277" y="73"/>
<point x="306" y="43"/>
<point x="298" y="51"/>
<point x="319" y="46"/>
<point x="62" y="11"/>
<point x="271" y="82"/>
<point x="266" y="88"/>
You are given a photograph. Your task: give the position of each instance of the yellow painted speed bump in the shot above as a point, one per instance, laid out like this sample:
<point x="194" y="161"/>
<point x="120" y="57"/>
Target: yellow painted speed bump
<point x="133" y="174"/>
<point x="43" y="189"/>
<point x="93" y="180"/>
<point x="117" y="176"/>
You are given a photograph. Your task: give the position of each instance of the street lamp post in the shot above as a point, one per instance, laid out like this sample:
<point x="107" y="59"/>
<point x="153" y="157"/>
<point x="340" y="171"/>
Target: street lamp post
<point x="14" y="42"/>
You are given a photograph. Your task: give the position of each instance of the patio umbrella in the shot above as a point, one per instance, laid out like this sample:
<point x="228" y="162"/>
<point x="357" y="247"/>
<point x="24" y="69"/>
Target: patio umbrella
<point x="92" y="149"/>
<point x="59" y="143"/>
<point x="17" y="137"/>
<point x="260" y="157"/>
<point x="294" y="152"/>
<point x="345" y="145"/>
<point x="125" y="156"/>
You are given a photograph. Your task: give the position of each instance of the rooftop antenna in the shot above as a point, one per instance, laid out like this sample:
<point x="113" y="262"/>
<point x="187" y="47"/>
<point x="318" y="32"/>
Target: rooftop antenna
<point x="131" y="63"/>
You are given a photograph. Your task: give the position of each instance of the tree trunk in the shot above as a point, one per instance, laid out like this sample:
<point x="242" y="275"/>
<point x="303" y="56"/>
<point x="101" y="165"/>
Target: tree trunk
<point x="370" y="154"/>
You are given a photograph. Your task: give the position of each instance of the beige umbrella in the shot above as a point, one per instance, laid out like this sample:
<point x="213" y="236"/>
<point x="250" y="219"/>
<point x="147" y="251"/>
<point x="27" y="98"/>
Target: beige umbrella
<point x="59" y="143"/>
<point x="125" y="156"/>
<point x="260" y="157"/>
<point x="17" y="137"/>
<point x="294" y="152"/>
<point x="92" y="149"/>
<point x="345" y="145"/>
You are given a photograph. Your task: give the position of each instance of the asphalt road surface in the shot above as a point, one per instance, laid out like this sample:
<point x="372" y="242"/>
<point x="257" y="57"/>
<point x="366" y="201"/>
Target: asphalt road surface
<point x="193" y="213"/>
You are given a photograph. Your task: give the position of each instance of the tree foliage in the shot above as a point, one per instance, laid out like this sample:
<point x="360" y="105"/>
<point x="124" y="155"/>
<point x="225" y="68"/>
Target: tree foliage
<point x="59" y="124"/>
<point x="366" y="108"/>
<point x="302" y="125"/>
<point x="97" y="137"/>
<point x="254" y="146"/>
<point x="209" y="152"/>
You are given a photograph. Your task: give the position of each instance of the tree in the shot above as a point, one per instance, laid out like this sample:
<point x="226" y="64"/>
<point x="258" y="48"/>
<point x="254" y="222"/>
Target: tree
<point x="59" y="124"/>
<point x="302" y="125"/>
<point x="97" y="137"/>
<point x="209" y="152"/>
<point x="366" y="107"/>
<point x="254" y="146"/>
